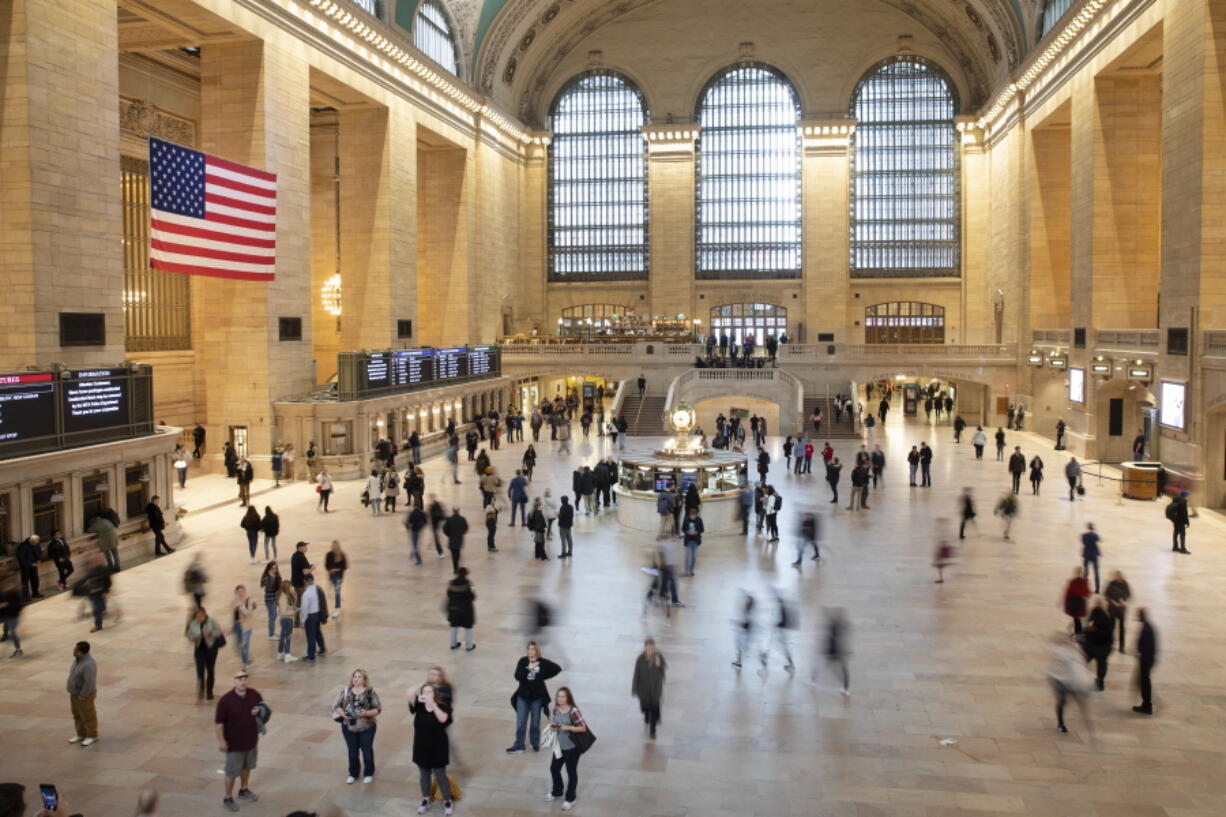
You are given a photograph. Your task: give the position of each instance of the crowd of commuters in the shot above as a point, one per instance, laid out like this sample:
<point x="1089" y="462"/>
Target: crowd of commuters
<point x="297" y="606"/>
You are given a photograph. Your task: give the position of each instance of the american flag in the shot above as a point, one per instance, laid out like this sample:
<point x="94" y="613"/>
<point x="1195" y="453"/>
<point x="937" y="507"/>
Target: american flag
<point x="210" y="216"/>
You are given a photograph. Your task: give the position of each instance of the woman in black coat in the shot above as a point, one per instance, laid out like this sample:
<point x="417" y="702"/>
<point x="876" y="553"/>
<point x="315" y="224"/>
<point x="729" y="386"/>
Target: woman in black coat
<point x="531" y="696"/>
<point x="431" y="748"/>
<point x="460" y="612"/>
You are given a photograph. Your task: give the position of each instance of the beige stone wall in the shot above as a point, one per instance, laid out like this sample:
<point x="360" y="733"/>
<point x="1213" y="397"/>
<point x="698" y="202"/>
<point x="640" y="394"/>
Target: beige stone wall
<point x="1050" y="219"/>
<point x="444" y="266"/>
<point x="59" y="179"/>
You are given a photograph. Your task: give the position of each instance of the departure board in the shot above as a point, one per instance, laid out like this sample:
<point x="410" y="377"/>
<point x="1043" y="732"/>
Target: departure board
<point x="27" y="413"/>
<point x="48" y="411"/>
<point x="362" y="375"/>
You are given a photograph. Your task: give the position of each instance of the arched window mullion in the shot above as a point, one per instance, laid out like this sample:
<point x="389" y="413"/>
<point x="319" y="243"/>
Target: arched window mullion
<point x="598" y="181"/>
<point x="1053" y="11"/>
<point x="433" y="36"/>
<point x="748" y="210"/>
<point x="905" y="209"/>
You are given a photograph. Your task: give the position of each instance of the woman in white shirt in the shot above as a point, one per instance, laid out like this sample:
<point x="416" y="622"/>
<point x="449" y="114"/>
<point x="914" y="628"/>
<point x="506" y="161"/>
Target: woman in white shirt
<point x="323" y="486"/>
<point x="374" y="493"/>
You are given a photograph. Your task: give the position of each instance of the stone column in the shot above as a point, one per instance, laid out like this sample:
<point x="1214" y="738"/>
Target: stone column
<point x="532" y="308"/>
<point x="825" y="172"/>
<point x="60" y="208"/>
<point x="980" y="301"/>
<point x="255" y="104"/>
<point x="670" y="180"/>
<point x="378" y="218"/>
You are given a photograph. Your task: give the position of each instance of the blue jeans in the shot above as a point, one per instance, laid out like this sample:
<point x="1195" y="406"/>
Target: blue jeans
<point x="524" y="709"/>
<point x="10" y="632"/>
<point x="99" y="604"/>
<point x="270" y="541"/>
<point x="522" y="505"/>
<point x="364" y="741"/>
<point x="242" y="643"/>
<point x="271" y="607"/>
<point x="691" y="556"/>
<point x="313" y="636"/>
<point x="337" y="580"/>
<point x="287" y="633"/>
<point x="252" y="537"/>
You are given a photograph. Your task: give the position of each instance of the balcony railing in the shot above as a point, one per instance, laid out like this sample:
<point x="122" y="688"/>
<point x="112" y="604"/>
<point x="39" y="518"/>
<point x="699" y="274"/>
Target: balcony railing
<point x="788" y="353"/>
<point x="1144" y="341"/>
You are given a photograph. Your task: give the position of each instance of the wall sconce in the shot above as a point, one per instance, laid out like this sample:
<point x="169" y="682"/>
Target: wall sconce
<point x="330" y="295"/>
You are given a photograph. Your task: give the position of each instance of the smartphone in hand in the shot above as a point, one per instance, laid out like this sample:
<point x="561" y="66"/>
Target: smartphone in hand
<point x="51" y="797"/>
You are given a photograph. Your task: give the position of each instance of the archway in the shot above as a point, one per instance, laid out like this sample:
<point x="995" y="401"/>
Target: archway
<point x="597" y="319"/>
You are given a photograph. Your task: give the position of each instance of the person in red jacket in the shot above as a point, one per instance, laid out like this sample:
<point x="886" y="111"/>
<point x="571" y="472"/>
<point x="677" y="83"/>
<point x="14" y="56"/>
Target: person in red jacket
<point x="1075" y="596"/>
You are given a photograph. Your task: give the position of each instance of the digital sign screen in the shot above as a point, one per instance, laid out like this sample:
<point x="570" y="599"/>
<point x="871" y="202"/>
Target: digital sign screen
<point x="27" y="413"/>
<point x="369" y="374"/>
<point x="96" y="400"/>
<point x="1077" y="385"/>
<point x="47" y="411"/>
<point x="1172" y="413"/>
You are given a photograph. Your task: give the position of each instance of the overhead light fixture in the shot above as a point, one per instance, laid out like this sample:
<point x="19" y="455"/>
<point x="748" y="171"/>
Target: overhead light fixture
<point x="330" y="295"/>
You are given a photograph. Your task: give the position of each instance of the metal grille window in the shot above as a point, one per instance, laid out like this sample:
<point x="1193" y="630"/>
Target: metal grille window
<point x="1052" y="12"/>
<point x="433" y="36"/>
<point x="748" y="180"/>
<point x="368" y="6"/>
<point x="904" y="322"/>
<point x="904" y="196"/>
<point x="156" y="304"/>
<point x="598" y="181"/>
<point x="739" y="321"/>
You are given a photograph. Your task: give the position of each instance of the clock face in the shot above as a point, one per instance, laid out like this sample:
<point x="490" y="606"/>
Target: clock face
<point x="681" y="418"/>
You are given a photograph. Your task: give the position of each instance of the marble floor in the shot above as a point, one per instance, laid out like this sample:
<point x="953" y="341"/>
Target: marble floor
<point x="964" y="660"/>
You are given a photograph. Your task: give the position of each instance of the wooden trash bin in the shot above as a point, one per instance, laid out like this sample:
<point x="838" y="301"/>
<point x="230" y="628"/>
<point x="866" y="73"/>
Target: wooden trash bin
<point x="1141" y="479"/>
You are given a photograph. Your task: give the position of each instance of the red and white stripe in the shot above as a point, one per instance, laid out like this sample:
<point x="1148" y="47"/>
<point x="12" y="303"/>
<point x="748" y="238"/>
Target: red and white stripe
<point x="237" y="238"/>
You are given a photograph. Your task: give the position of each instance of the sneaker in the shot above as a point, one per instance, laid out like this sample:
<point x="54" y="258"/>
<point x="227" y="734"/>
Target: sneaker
<point x="455" y="646"/>
<point x="448" y="809"/>
<point x="515" y="750"/>
<point x="368" y="779"/>
<point x="736" y="664"/>
<point x="75" y="739"/>
<point x="424" y="807"/>
<point x="289" y="659"/>
<point x="273" y="638"/>
<point x="790" y="667"/>
<point x="229" y="804"/>
<point x="1143" y="710"/>
<point x="247" y="794"/>
<point x="678" y="604"/>
<point x="16" y="654"/>
<point x="280" y="656"/>
<point x="1062" y="729"/>
<point x="567" y="805"/>
<point x="845" y="692"/>
<point x="336" y="615"/>
<point x="470" y="648"/>
<point x="550" y="797"/>
<point x="351" y="780"/>
<point x="89" y="741"/>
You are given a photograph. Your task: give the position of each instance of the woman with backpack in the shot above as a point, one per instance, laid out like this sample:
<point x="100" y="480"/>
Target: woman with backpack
<point x="251" y="525"/>
<point x="270" y="582"/>
<point x="391" y="490"/>
<point x="206" y="636"/>
<point x="355" y="709"/>
<point x="566" y="722"/>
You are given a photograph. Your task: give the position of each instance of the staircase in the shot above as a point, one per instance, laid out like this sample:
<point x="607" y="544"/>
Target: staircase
<point x="831" y="430"/>
<point x="645" y="416"/>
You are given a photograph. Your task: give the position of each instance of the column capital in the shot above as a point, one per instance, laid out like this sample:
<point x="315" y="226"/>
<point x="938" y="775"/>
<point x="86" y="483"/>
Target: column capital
<point x="667" y="143"/>
<point x="972" y="134"/>
<point x="826" y="137"/>
<point x="537" y="146"/>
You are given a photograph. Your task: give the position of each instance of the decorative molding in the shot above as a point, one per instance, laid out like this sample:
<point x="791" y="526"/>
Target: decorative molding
<point x="670" y="143"/>
<point x="142" y="119"/>
<point x="826" y="137"/>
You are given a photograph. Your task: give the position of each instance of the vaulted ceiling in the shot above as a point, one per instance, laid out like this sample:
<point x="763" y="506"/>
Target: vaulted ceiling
<point x="517" y="43"/>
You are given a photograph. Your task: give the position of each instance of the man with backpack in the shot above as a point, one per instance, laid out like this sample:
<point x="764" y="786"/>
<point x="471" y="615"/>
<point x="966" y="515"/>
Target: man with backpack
<point x="1177" y="513"/>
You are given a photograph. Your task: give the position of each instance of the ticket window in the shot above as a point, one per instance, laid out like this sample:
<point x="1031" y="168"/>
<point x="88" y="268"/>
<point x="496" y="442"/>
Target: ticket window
<point x="94" y="492"/>
<point x="338" y="438"/>
<point x="135" y="490"/>
<point x="48" y="509"/>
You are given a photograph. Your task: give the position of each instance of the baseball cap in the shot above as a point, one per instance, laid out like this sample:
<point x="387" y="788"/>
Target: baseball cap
<point x="301" y="544"/>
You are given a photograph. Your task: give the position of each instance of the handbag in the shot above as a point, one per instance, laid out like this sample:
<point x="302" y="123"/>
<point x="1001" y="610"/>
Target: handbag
<point x="180" y="463"/>
<point x="583" y="740"/>
<point x="435" y="794"/>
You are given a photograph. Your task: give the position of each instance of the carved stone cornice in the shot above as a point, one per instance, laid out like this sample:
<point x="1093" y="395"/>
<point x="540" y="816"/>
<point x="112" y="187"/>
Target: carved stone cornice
<point x="670" y="143"/>
<point x="142" y="119"/>
<point x="826" y="137"/>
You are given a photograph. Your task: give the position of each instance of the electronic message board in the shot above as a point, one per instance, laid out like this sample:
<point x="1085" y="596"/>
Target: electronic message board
<point x="362" y="375"/>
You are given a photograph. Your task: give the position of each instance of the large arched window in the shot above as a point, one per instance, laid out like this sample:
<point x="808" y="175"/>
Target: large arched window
<point x="904" y="195"/>
<point x="1052" y="12"/>
<point x="748" y="180"/>
<point x="598" y="180"/>
<point x="434" y="37"/>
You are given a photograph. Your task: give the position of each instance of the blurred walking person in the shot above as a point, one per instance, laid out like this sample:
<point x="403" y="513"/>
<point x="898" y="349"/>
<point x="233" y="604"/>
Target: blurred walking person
<point x="743" y="629"/>
<point x="837" y="647"/>
<point x="1069" y="678"/>
<point x="1147" y="656"/>
<point x="648" y="684"/>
